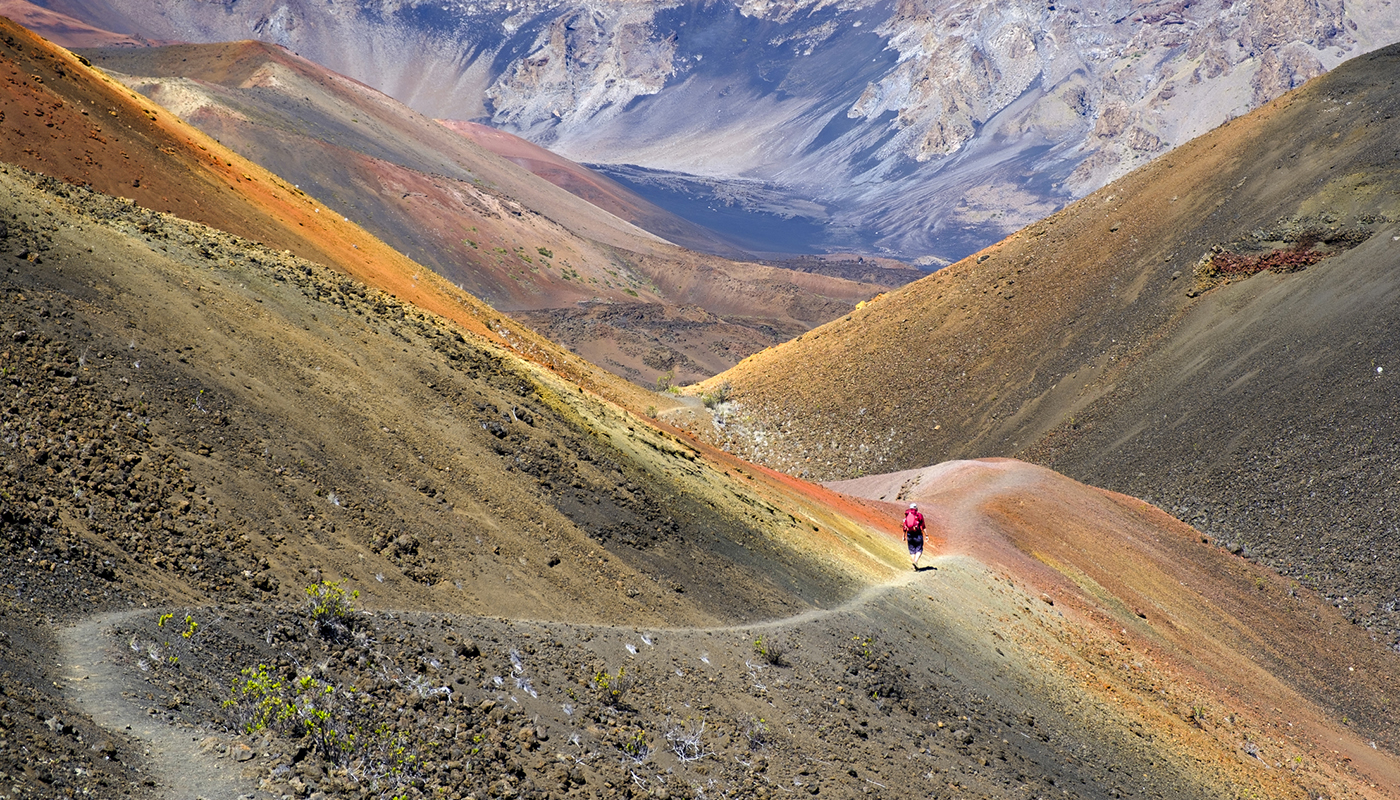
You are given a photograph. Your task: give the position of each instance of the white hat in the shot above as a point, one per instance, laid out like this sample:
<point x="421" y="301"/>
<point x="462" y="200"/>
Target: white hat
<point x="914" y="506"/>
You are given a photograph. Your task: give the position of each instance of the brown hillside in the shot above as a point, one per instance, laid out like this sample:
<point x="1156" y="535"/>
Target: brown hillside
<point x="205" y="440"/>
<point x="1249" y="406"/>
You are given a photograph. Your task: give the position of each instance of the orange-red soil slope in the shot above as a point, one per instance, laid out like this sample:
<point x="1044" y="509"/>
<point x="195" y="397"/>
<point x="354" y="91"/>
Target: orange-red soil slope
<point x="1201" y="648"/>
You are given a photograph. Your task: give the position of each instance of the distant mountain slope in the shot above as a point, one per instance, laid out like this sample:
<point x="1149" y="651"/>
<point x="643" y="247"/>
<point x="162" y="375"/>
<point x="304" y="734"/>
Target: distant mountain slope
<point x="487" y="225"/>
<point x="912" y="127"/>
<point x="432" y="193"/>
<point x="1105" y="341"/>
<point x="594" y="187"/>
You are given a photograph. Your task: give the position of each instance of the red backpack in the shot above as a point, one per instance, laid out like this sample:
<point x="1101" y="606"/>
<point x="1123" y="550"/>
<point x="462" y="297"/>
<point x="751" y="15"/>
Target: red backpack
<point x="912" y="522"/>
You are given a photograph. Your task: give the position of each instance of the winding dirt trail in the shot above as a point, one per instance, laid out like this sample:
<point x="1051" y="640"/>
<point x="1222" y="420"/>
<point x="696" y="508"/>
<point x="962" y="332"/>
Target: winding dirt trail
<point x="1201" y="618"/>
<point x="182" y="763"/>
<point x="187" y="762"/>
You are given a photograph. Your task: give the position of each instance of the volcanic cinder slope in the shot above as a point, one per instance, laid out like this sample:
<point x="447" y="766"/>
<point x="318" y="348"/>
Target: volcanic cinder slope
<point x="203" y="426"/>
<point x="556" y="598"/>
<point x="1107" y="342"/>
<point x="917" y="128"/>
<point x="190" y="434"/>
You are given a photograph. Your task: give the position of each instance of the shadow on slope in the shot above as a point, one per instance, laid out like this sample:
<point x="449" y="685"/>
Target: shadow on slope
<point x="70" y="30"/>
<point x="430" y="193"/>
<point x="596" y="188"/>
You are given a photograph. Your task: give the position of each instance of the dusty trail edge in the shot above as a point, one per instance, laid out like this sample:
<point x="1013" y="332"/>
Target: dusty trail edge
<point x="185" y="760"/>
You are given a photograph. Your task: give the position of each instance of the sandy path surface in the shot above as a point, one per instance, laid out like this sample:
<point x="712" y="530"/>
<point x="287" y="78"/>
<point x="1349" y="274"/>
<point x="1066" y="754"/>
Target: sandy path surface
<point x="185" y="761"/>
<point x="193" y="763"/>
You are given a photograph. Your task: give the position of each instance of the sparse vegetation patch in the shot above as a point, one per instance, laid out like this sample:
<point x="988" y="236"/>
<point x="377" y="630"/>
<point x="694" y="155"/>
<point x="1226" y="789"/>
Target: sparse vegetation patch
<point x="330" y="608"/>
<point x="771" y="650"/>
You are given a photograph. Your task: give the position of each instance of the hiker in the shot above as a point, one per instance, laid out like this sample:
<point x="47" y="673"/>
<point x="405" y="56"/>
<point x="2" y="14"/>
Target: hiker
<point x="914" y="533"/>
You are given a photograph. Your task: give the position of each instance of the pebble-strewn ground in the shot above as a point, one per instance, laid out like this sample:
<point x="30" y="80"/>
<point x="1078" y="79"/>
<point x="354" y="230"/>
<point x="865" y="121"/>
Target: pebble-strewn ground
<point x="180" y="458"/>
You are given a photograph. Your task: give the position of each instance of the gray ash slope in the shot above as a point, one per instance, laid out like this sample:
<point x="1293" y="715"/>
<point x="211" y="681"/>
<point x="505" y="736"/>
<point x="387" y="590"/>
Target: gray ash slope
<point x="1267" y="419"/>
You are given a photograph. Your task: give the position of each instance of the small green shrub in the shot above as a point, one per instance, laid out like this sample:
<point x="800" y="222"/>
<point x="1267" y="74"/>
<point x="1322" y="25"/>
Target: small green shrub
<point x="165" y="653"/>
<point x="329" y="721"/>
<point x="612" y="689"/>
<point x="755" y="732"/>
<point x="864" y="646"/>
<point x="330" y="608"/>
<point x="256" y="699"/>
<point x="770" y="650"/>
<point x="719" y="395"/>
<point x="636" y="747"/>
